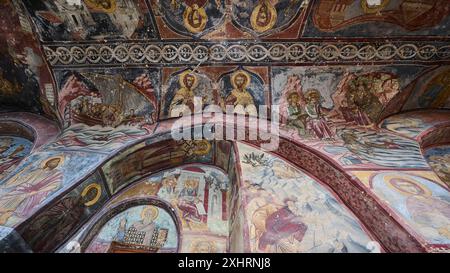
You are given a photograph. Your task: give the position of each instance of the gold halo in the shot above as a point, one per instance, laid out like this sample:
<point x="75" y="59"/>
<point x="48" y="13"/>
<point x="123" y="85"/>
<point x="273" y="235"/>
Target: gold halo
<point x="201" y="11"/>
<point x="155" y="212"/>
<point x="273" y="18"/>
<point x="312" y="92"/>
<point x="369" y="10"/>
<point x="94" y="5"/>
<point x="98" y="194"/>
<point x="240" y="72"/>
<point x="60" y="157"/>
<point x="205" y="151"/>
<point x="388" y="180"/>
<point x="184" y="74"/>
<point x="290" y="94"/>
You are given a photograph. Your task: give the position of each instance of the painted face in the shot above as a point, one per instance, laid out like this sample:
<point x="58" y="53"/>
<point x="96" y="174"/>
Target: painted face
<point x="313" y="99"/>
<point x="263" y="15"/>
<point x="148" y="216"/>
<point x="195" y="18"/>
<point x="395" y="85"/>
<point x="191" y="184"/>
<point x="240" y="81"/>
<point x="189" y="81"/>
<point x="294" y="98"/>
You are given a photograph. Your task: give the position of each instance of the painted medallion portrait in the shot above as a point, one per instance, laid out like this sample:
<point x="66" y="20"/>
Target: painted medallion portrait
<point x="263" y="17"/>
<point x="193" y="17"/>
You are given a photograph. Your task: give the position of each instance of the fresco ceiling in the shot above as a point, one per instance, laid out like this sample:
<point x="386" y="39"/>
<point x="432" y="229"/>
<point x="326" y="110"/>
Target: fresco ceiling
<point x="362" y="88"/>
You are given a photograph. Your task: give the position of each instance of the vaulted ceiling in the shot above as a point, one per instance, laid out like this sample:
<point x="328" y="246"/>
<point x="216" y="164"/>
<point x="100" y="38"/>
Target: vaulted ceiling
<point x="110" y="72"/>
<point x="45" y="42"/>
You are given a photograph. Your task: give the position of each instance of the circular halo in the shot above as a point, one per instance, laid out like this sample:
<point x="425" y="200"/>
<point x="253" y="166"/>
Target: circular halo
<point x="184" y="74"/>
<point x="205" y="151"/>
<point x="98" y="194"/>
<point x="240" y="72"/>
<point x="155" y="212"/>
<point x="60" y="157"/>
<point x="273" y="17"/>
<point x="96" y="6"/>
<point x="392" y="182"/>
<point x="312" y="92"/>
<point x="204" y="17"/>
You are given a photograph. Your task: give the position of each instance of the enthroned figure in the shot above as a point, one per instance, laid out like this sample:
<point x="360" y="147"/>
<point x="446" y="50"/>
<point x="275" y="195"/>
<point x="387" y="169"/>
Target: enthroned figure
<point x="240" y="97"/>
<point x="183" y="101"/>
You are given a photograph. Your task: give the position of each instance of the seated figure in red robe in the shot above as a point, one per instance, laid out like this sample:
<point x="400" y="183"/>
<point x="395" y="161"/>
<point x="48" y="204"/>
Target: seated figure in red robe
<point x="282" y="224"/>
